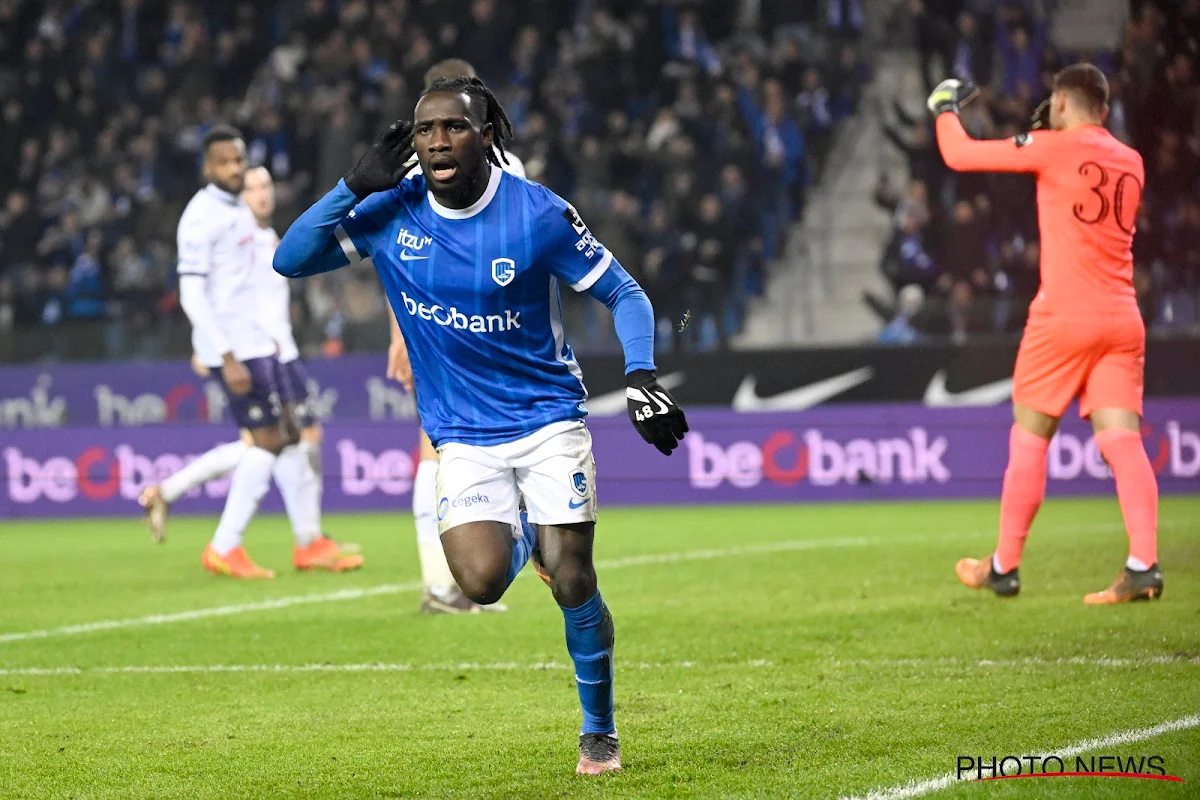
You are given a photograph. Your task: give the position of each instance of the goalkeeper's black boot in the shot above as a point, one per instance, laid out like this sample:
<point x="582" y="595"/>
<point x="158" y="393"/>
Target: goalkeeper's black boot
<point x="978" y="573"/>
<point x="1132" y="584"/>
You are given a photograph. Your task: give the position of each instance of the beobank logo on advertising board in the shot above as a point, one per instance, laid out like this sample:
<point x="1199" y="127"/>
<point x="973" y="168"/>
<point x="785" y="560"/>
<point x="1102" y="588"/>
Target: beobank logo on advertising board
<point x="786" y="458"/>
<point x="101" y="473"/>
<point x="364" y="472"/>
<point x="185" y="402"/>
<point x="1174" y="452"/>
<point x="96" y="474"/>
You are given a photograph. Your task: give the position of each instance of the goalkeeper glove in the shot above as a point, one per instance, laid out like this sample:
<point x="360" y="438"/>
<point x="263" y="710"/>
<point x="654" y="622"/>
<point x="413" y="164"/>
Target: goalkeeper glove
<point x="385" y="162"/>
<point x="1041" y="116"/>
<point x="652" y="410"/>
<point x="950" y="95"/>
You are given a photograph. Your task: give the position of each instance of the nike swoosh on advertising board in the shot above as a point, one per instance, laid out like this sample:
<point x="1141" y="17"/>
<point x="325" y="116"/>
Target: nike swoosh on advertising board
<point x="611" y="404"/>
<point x="747" y="399"/>
<point x="990" y="394"/>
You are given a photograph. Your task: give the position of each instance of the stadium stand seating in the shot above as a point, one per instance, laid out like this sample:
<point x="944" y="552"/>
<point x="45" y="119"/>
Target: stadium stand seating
<point x="687" y="133"/>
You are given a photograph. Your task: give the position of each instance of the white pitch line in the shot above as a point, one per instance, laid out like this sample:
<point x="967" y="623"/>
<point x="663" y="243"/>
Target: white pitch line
<point x="215" y="611"/>
<point x="1033" y="661"/>
<point x="917" y="789"/>
<point x="502" y="666"/>
<point x="396" y="588"/>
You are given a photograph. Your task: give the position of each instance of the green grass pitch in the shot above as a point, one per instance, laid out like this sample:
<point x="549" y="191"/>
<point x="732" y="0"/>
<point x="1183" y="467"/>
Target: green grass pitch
<point x="802" y="651"/>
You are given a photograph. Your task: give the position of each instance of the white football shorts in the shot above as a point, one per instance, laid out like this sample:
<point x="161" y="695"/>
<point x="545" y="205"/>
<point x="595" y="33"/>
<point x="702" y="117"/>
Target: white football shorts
<point x="552" y="468"/>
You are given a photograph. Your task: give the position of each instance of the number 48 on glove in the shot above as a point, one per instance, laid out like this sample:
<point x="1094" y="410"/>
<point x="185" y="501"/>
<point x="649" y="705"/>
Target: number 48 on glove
<point x="652" y="410"/>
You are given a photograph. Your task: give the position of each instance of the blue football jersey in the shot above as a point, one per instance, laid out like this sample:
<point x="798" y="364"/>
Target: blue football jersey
<point x="476" y="293"/>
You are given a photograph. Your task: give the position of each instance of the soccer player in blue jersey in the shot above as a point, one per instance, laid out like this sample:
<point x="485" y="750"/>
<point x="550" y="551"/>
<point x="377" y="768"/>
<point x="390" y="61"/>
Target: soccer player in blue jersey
<point x="471" y="259"/>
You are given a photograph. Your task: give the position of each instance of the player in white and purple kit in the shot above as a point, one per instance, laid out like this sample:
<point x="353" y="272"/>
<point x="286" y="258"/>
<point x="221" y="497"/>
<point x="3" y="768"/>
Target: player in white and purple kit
<point x="220" y="243"/>
<point x="471" y="259"/>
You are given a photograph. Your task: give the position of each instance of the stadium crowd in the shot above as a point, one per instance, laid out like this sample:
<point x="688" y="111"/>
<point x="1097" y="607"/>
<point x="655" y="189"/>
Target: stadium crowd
<point x="684" y="131"/>
<point x="963" y="253"/>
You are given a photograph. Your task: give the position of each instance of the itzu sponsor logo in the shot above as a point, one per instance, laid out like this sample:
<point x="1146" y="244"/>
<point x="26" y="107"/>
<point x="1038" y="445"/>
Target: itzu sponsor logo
<point x="406" y="239"/>
<point x="786" y="459"/>
<point x="452" y="317"/>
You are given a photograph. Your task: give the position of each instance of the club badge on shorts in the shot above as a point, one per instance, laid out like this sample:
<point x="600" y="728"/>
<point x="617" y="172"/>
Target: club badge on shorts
<point x="579" y="483"/>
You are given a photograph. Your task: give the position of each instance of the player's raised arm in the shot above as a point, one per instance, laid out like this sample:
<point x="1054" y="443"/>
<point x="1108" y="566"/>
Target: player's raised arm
<point x="1022" y="153"/>
<point x="332" y="232"/>
<point x="588" y="266"/>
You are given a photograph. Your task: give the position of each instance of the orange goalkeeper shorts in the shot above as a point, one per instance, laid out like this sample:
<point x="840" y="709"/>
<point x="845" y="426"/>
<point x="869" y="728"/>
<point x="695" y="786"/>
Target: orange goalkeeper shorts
<point x="1099" y="359"/>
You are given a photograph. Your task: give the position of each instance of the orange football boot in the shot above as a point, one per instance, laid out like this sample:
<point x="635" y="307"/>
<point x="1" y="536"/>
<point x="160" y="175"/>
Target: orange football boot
<point x="324" y="553"/>
<point x="1130" y="586"/>
<point x="236" y="564"/>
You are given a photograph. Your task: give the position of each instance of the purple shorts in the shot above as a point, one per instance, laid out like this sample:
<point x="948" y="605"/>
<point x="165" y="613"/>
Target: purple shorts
<point x="260" y="407"/>
<point x="293" y="391"/>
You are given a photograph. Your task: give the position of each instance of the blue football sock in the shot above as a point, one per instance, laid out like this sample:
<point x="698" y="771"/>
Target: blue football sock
<point x="590" y="643"/>
<point x="522" y="548"/>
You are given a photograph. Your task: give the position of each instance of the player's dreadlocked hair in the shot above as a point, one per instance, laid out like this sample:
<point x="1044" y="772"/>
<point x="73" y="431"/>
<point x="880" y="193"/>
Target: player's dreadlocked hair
<point x="484" y="105"/>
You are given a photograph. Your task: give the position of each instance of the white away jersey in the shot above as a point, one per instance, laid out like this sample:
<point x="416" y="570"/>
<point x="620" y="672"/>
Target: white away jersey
<point x="216" y="242"/>
<point x="475" y="291"/>
<point x="275" y="295"/>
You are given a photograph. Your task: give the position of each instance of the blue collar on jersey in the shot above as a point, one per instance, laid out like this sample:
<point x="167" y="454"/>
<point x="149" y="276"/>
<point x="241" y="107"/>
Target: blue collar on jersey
<point x="473" y="209"/>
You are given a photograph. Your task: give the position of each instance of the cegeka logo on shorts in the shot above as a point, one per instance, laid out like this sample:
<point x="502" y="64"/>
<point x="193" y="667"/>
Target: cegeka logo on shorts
<point x="786" y="458"/>
<point x="1175" y="454"/>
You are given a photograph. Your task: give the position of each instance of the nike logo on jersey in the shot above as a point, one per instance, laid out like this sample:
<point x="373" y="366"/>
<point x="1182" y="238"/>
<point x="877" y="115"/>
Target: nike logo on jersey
<point x="747" y="399"/>
<point x="571" y="504"/>
<point x="407" y="256"/>
<point x="614" y="403"/>
<point x="990" y="394"/>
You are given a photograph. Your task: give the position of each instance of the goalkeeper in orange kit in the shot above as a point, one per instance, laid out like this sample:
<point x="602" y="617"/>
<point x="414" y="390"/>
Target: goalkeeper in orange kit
<point x="1085" y="337"/>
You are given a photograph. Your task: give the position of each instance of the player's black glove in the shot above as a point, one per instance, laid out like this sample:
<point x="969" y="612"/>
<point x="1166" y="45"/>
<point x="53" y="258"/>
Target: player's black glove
<point x="1041" y="116"/>
<point x="385" y="163"/>
<point x="652" y="410"/>
<point x="950" y="95"/>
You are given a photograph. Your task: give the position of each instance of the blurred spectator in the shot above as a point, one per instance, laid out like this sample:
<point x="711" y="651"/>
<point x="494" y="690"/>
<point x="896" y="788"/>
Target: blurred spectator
<point x="1179" y="277"/>
<point x="972" y="59"/>
<point x="916" y="142"/>
<point x="901" y="329"/>
<point x="967" y="272"/>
